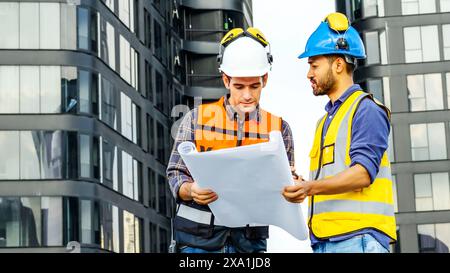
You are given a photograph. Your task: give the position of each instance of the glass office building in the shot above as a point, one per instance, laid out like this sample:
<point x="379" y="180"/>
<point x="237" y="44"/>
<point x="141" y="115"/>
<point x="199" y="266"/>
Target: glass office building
<point x="86" y="96"/>
<point x="408" y="68"/>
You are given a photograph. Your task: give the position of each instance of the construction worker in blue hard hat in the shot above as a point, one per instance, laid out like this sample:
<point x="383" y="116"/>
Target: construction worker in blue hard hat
<point x="350" y="189"/>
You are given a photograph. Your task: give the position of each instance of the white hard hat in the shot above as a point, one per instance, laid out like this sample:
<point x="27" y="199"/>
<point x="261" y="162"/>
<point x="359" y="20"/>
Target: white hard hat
<point x="245" y="57"/>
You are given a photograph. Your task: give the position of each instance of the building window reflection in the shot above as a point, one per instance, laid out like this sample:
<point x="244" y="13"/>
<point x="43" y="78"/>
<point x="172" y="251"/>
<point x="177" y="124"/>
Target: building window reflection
<point x="434" y="238"/>
<point x="432" y="191"/>
<point x="30" y="221"/>
<point x="31" y="155"/>
<point x="446" y="37"/>
<point x="425" y="92"/>
<point x="428" y="141"/>
<point x="131" y="233"/>
<point x="418" y="7"/>
<point x="131" y="177"/>
<point x="373" y="8"/>
<point x="32" y="25"/>
<point x="445" y="5"/>
<point x="421" y="44"/>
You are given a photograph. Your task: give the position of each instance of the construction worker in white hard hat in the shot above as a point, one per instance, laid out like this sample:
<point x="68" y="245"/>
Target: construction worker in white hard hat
<point x="234" y="120"/>
<point x="351" y="206"/>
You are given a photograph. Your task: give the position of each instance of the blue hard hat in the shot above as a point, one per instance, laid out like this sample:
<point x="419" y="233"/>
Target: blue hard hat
<point x="334" y="36"/>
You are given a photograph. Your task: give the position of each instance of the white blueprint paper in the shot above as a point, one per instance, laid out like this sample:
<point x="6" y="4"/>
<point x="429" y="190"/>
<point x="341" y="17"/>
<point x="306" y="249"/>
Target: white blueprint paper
<point x="249" y="181"/>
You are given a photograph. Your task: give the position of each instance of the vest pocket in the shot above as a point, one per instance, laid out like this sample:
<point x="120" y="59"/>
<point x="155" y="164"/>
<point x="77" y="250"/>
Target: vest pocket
<point x="328" y="155"/>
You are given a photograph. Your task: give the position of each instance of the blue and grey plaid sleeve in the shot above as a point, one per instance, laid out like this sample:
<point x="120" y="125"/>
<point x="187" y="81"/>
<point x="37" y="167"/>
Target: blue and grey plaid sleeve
<point x="177" y="172"/>
<point x="288" y="139"/>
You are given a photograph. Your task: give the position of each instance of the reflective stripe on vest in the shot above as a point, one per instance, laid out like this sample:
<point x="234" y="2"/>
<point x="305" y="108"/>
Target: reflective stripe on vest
<point x="194" y="215"/>
<point x="338" y="214"/>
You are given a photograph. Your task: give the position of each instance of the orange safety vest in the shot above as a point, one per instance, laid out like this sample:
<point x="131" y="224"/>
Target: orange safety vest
<point x="215" y="130"/>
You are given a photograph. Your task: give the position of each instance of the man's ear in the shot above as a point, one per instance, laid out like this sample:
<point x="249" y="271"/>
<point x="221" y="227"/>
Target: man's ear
<point x="226" y="80"/>
<point x="340" y="65"/>
<point x="265" y="78"/>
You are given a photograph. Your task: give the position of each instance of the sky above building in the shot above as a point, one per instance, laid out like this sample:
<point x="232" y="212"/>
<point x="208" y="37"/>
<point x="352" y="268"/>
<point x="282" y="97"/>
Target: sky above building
<point x="287" y="25"/>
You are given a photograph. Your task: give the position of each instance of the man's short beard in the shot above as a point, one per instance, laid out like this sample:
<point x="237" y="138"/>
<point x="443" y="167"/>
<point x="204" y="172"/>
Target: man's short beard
<point x="324" y="89"/>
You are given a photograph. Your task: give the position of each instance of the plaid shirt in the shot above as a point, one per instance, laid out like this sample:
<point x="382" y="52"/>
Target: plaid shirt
<point x="178" y="173"/>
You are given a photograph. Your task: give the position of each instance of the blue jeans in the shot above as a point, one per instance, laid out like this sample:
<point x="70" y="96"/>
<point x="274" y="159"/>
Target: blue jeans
<point x="359" y="244"/>
<point x="226" y="249"/>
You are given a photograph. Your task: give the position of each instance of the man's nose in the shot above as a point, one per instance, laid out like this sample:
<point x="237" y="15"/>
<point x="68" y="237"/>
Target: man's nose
<point x="246" y="94"/>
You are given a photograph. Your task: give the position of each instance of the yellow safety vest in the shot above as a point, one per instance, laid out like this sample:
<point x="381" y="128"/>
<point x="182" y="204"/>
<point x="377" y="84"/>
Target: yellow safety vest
<point x="340" y="214"/>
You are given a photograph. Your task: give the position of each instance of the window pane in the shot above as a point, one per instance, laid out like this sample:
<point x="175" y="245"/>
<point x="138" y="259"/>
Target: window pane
<point x="109" y="164"/>
<point x="85" y="155"/>
<point x="427" y="6"/>
<point x="108" y="103"/>
<point x="443" y="238"/>
<point x="29" y="25"/>
<point x="9" y="89"/>
<point x="116" y="232"/>
<point x="29" y="89"/>
<point x="419" y="135"/>
<point x="50" y="89"/>
<point x="373" y="48"/>
<point x="162" y="184"/>
<point x="413" y="44"/>
<point x="426" y="237"/>
<point x="446" y="37"/>
<point x="68" y="27"/>
<point x="410" y="7"/>
<point x="30" y="143"/>
<point x="10" y="145"/>
<point x="436" y="135"/>
<point x="125" y="62"/>
<point x="416" y="89"/>
<point x="85" y="91"/>
<point x="430" y="43"/>
<point x="127" y="175"/>
<point x="129" y="232"/>
<point x="124" y="12"/>
<point x="127" y="122"/>
<point x="434" y="94"/>
<point x="419" y="142"/>
<point x="445" y="5"/>
<point x="376" y="88"/>
<point x="50" y="25"/>
<point x="52" y="218"/>
<point x="394" y="191"/>
<point x="422" y="185"/>
<point x="447" y="75"/>
<point x="383" y="48"/>
<point x="387" y="92"/>
<point x="86" y="221"/>
<point x="9" y="28"/>
<point x="441" y="191"/>
<point x="83" y="28"/>
<point x="370" y="8"/>
<point x="52" y="156"/>
<point x="107" y="43"/>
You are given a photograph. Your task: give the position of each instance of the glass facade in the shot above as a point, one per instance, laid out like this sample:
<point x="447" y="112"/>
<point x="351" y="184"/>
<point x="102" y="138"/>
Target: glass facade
<point x="114" y="85"/>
